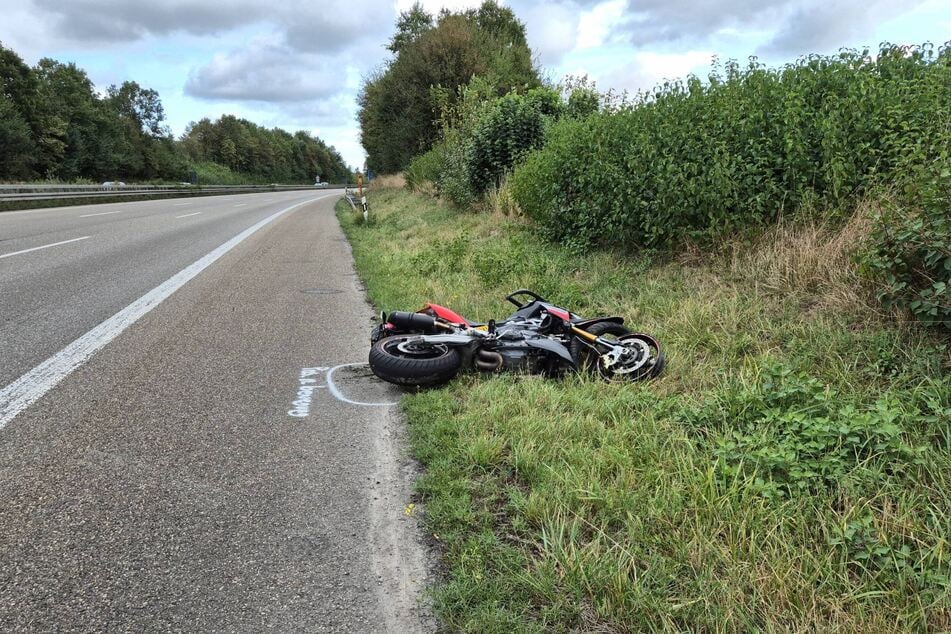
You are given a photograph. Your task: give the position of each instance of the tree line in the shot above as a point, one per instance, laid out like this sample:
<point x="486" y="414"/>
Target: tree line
<point x="55" y="125"/>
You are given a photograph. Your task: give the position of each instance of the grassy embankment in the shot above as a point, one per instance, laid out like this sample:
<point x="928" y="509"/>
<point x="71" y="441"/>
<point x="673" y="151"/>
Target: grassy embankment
<point x="791" y="470"/>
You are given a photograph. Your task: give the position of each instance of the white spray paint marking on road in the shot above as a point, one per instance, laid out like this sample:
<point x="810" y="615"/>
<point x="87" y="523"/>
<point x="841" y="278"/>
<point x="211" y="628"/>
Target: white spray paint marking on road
<point x="102" y="213"/>
<point x="309" y="382"/>
<point x="17" y="396"/>
<point x="45" y="246"/>
<point x="188" y="215"/>
<point x="241" y="204"/>
<point x="305" y="391"/>
<point x="332" y="388"/>
<point x="182" y="204"/>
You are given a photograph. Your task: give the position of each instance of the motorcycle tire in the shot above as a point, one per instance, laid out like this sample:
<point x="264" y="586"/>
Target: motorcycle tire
<point x="392" y="363"/>
<point x="583" y="355"/>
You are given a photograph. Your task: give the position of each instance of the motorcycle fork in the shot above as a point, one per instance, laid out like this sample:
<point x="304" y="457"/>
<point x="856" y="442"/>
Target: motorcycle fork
<point x="591" y="340"/>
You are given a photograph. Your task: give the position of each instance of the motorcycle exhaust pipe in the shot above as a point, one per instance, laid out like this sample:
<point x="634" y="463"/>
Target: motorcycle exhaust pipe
<point x="402" y="320"/>
<point x="488" y="361"/>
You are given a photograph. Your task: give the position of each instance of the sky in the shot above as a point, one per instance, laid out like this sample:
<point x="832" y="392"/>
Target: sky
<point x="299" y="64"/>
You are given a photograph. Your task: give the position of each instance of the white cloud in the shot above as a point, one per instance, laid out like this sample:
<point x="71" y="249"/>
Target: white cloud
<point x="595" y="26"/>
<point x="266" y="72"/>
<point x="552" y="30"/>
<point x="434" y="6"/>
<point x="644" y="70"/>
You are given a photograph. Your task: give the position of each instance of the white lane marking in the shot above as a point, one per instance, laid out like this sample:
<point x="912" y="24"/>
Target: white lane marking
<point x="181" y="204"/>
<point x="241" y="204"/>
<point x="332" y="387"/>
<point x="187" y="215"/>
<point x="45" y="246"/>
<point x="102" y="213"/>
<point x="30" y="387"/>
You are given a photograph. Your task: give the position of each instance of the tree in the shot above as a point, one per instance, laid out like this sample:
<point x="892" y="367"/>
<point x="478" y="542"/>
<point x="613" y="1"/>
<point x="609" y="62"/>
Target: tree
<point x="142" y="106"/>
<point x="409" y="27"/>
<point x="400" y="104"/>
<point x="16" y="142"/>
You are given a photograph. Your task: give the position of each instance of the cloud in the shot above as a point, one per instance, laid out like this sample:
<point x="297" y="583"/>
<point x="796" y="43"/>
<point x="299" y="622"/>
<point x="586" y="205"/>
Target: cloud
<point x="594" y="26"/>
<point x="820" y="26"/>
<point x="552" y="30"/>
<point x="307" y="26"/>
<point x="644" y="70"/>
<point x="266" y="72"/>
<point x="120" y="20"/>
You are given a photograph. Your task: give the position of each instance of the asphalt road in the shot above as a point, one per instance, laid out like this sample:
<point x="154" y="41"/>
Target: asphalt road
<point x="184" y="445"/>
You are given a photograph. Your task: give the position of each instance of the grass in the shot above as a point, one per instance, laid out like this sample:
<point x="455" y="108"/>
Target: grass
<point x="791" y="470"/>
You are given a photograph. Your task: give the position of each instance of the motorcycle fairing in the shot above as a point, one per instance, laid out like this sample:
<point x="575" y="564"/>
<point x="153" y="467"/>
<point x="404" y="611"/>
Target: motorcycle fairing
<point x="448" y="314"/>
<point x="553" y="347"/>
<point x="584" y="323"/>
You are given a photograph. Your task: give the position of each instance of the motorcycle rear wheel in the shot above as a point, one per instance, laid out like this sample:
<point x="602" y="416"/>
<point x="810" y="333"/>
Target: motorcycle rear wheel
<point x="397" y="359"/>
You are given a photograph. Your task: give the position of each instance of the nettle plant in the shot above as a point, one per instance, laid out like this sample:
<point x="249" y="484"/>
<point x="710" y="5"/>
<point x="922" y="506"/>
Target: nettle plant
<point x="790" y="435"/>
<point x="910" y="253"/>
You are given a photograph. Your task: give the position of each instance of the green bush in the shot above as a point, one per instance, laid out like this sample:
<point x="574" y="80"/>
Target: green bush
<point x="508" y="129"/>
<point x="694" y="160"/>
<point x="425" y="168"/>
<point x="910" y="254"/>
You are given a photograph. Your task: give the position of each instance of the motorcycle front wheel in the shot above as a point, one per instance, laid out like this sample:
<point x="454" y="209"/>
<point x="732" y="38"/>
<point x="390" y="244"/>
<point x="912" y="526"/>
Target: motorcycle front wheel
<point x="645" y="361"/>
<point x="410" y="360"/>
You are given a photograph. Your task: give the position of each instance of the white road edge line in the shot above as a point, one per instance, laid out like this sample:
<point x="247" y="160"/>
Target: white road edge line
<point x="181" y="204"/>
<point x="187" y="215"/>
<point x="332" y="387"/>
<point x="45" y="246"/>
<point x="30" y="387"/>
<point x="102" y="213"/>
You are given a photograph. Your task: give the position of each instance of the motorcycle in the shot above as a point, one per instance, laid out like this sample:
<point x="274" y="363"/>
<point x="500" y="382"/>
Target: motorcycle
<point x="432" y="345"/>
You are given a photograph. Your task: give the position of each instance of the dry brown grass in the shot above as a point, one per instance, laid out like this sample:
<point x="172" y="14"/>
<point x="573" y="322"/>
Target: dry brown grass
<point x="388" y="181"/>
<point x="500" y="201"/>
<point x="811" y="263"/>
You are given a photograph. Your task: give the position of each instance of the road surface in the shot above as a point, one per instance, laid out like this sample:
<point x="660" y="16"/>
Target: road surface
<point x="184" y="445"/>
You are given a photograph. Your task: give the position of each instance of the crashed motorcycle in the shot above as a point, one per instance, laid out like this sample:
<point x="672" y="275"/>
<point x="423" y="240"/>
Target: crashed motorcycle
<point x="432" y="345"/>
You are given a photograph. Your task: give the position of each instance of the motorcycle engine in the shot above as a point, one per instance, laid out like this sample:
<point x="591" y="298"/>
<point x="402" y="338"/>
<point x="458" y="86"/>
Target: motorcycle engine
<point x="518" y="356"/>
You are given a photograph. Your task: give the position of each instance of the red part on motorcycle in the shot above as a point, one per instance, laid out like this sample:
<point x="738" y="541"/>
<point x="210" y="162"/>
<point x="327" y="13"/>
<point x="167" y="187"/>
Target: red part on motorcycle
<point x="449" y="315"/>
<point x="560" y="313"/>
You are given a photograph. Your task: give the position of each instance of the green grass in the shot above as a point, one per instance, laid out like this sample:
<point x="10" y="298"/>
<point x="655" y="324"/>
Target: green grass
<point x="791" y="470"/>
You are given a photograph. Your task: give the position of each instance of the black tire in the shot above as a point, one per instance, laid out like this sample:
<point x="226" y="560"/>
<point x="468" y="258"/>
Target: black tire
<point x="437" y="365"/>
<point x="583" y="355"/>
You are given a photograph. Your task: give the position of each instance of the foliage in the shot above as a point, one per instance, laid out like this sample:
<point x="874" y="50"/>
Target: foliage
<point x="273" y="155"/>
<point x="54" y="125"/>
<point x="425" y="168"/>
<point x="692" y="160"/>
<point x="401" y="104"/>
<point x="789" y="434"/>
<point x="575" y="505"/>
<point x="506" y="131"/>
<point x="910" y="253"/>
<point x="409" y="27"/>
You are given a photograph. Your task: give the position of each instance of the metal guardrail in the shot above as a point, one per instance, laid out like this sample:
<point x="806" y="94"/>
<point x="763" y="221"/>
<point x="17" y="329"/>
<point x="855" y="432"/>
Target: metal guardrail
<point x="349" y="194"/>
<point x="56" y="192"/>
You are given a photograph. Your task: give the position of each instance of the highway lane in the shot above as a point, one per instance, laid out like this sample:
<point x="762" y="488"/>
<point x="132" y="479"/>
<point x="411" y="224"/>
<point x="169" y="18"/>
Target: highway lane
<point x="196" y="473"/>
<point x="104" y="257"/>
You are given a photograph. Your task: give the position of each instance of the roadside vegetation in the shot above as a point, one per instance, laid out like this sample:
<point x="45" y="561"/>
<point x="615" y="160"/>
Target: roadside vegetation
<point x="790" y="471"/>
<point x="786" y="234"/>
<point x="55" y="126"/>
